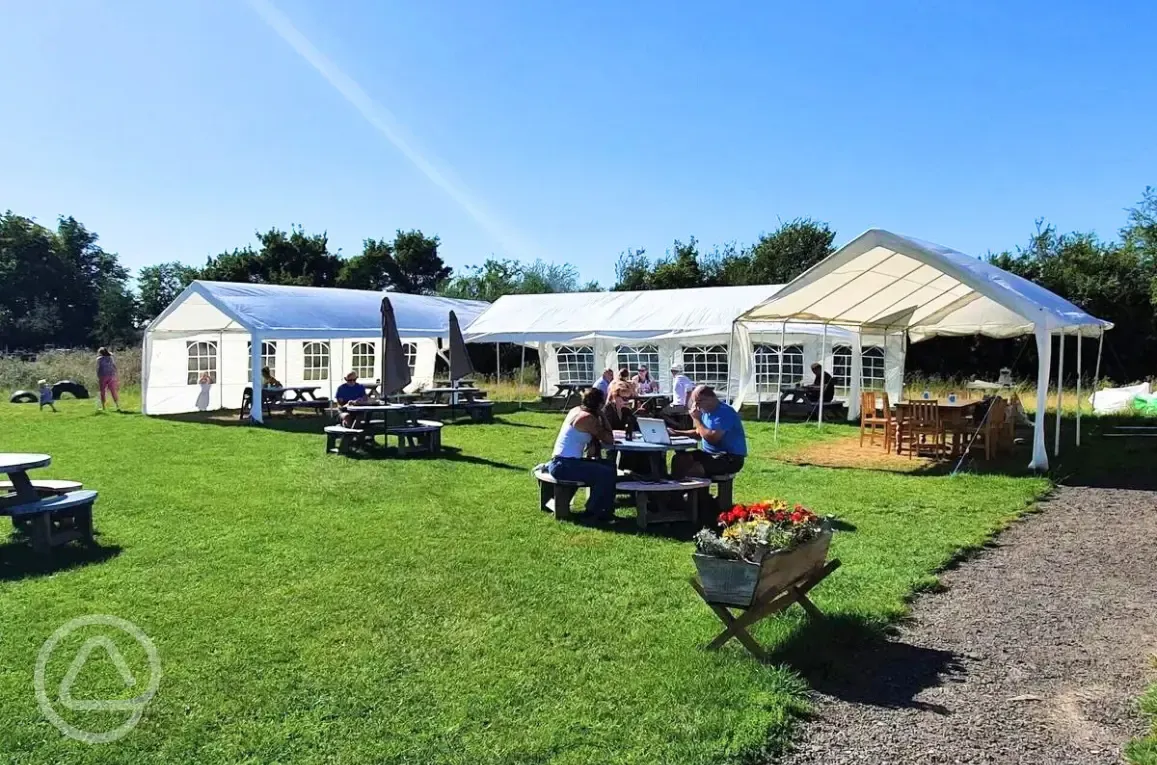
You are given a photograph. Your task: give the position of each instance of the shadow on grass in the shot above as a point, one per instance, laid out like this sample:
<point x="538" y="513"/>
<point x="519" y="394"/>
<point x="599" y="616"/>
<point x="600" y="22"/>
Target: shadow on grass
<point x="510" y="424"/>
<point x="19" y="561"/>
<point x="851" y="659"/>
<point x="447" y="453"/>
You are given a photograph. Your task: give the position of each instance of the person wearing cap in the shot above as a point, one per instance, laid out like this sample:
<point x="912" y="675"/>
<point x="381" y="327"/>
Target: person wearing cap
<point x="681" y="387"/>
<point x="722" y="442"/>
<point x="349" y="392"/>
<point x="46" y="397"/>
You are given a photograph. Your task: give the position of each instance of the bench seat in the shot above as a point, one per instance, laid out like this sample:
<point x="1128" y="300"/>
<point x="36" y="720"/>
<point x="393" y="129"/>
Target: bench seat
<point x="652" y="510"/>
<point x="48" y="487"/>
<point x="56" y="520"/>
<point x="339" y="438"/>
<point x="555" y="495"/>
<point x="418" y="438"/>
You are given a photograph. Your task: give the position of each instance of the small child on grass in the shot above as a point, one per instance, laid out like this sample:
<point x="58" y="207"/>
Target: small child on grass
<point x="46" y="395"/>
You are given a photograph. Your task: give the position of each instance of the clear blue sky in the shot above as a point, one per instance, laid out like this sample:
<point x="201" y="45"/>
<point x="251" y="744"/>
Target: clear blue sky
<point x="571" y="131"/>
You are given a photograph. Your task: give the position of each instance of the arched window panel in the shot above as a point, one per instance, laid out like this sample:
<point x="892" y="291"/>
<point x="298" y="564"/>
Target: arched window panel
<point x="202" y="357"/>
<point x="576" y="364"/>
<point x="315" y="361"/>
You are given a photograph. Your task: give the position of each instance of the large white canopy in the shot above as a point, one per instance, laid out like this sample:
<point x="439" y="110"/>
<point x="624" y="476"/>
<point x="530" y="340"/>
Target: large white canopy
<point x="579" y="334"/>
<point x="884" y="278"/>
<point x="565" y="317"/>
<point x="225" y="332"/>
<point x="275" y="310"/>
<point x="881" y="280"/>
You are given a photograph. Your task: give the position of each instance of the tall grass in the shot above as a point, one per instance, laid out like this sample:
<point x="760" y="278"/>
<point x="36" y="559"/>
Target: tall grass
<point x="78" y="365"/>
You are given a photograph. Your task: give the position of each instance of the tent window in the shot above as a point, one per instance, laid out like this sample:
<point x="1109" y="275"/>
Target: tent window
<point x="767" y="367"/>
<point x="873" y="368"/>
<point x="362" y="363"/>
<point x="315" y="361"/>
<point x="268" y="358"/>
<point x="842" y="369"/>
<point x="632" y="357"/>
<point x="411" y="352"/>
<point x="202" y="362"/>
<point x="706" y="365"/>
<point x="576" y="365"/>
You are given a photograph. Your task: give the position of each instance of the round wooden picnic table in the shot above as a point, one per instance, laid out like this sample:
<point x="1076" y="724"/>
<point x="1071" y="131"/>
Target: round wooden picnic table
<point x="656" y="452"/>
<point x="16" y="466"/>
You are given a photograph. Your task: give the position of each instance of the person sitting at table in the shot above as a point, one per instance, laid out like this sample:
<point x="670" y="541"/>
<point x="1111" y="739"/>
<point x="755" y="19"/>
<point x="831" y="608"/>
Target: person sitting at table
<point x="681" y="387"/>
<point x="823" y="384"/>
<point x="603" y="384"/>
<point x="268" y="380"/>
<point x="618" y="415"/>
<point x="722" y="442"/>
<point x="349" y="392"/>
<point x="643" y="381"/>
<point x="582" y="434"/>
<point x="625" y="377"/>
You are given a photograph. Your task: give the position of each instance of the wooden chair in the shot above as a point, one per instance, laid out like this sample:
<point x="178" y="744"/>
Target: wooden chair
<point x="921" y="428"/>
<point x="989" y="436"/>
<point x="872" y="417"/>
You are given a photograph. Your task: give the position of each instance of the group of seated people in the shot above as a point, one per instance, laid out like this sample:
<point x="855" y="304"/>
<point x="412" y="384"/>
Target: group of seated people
<point x="590" y="426"/>
<point x="642" y="384"/>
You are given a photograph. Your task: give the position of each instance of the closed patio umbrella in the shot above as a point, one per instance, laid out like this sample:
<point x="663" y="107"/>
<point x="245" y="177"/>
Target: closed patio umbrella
<point x="460" y="366"/>
<point x="395" y="370"/>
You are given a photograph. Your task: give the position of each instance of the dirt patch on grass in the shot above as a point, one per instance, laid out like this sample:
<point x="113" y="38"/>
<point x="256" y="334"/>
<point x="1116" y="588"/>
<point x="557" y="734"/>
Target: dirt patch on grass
<point x="847" y="453"/>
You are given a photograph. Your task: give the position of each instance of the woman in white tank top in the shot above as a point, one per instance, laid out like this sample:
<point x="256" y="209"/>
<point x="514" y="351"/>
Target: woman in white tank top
<point x="581" y="431"/>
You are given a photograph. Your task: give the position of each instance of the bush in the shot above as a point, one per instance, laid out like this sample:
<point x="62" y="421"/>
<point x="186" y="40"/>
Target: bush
<point x="79" y="365"/>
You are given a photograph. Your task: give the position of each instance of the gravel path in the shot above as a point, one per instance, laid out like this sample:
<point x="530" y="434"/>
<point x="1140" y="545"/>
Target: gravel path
<point x="1035" y="653"/>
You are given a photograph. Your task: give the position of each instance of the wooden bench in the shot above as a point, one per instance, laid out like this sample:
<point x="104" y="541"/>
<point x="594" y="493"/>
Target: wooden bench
<point x="437" y="434"/>
<point x="417" y="439"/>
<point x="556" y="495"/>
<point x="339" y="438"/>
<point x="724" y="495"/>
<point x="480" y="411"/>
<point x="47" y="488"/>
<point x="650" y="499"/>
<point x="271" y="402"/>
<point x="56" y="520"/>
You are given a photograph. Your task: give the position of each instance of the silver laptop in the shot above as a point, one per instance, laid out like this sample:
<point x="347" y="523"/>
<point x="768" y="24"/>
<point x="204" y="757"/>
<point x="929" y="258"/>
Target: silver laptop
<point x="654" y="431"/>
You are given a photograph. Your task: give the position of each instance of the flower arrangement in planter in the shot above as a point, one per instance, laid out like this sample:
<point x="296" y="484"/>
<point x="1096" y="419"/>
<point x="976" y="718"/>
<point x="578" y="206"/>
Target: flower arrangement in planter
<point x="761" y="546"/>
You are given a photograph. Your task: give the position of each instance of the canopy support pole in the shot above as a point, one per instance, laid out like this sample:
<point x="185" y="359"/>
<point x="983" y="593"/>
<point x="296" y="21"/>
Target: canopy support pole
<point x="497" y="363"/>
<point x="1060" y="392"/>
<point x="1097" y="369"/>
<point x="521" y="376"/>
<point x="1080" y="342"/>
<point x="256" y="412"/>
<point x="1040" y="459"/>
<point x="823" y="387"/>
<point x="779" y="379"/>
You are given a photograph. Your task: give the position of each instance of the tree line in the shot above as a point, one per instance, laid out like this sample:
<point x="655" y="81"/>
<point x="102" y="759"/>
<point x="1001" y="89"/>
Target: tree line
<point x="59" y="287"/>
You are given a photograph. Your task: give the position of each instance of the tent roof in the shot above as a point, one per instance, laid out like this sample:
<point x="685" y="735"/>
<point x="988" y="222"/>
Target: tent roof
<point x="275" y="310"/>
<point x="564" y="317"/>
<point x="881" y="278"/>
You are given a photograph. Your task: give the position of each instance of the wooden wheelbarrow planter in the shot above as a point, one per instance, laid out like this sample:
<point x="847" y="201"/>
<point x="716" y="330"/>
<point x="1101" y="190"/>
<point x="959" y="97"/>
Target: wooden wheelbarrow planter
<point x="743" y="594"/>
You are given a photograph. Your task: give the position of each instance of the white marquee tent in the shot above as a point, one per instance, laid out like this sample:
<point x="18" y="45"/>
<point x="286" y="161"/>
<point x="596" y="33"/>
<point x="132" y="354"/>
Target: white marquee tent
<point x="883" y="282"/>
<point x="579" y="334"/>
<point x="211" y="342"/>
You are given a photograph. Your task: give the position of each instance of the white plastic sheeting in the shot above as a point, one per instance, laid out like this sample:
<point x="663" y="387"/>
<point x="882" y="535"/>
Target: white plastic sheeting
<point x="225" y="317"/>
<point x="668" y="324"/>
<point x="928" y="290"/>
<point x="1111" y="400"/>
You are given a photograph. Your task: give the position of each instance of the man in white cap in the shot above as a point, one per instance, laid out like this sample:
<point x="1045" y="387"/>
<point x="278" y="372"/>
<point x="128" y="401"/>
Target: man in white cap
<point x="681" y="386"/>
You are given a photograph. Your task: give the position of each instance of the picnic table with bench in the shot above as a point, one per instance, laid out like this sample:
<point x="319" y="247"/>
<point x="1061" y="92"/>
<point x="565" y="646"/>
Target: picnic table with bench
<point x="470" y="399"/>
<point x="563" y="394"/>
<point x="286" y="399"/>
<point x="415" y="436"/>
<point x="50" y="512"/>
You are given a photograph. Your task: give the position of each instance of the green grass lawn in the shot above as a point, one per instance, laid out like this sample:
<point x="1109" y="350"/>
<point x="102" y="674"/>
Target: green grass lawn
<point x="311" y="608"/>
<point x="1144" y="751"/>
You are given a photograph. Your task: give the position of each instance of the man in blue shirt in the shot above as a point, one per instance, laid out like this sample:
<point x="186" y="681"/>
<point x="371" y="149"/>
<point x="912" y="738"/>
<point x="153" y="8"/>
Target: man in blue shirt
<point x="349" y="392"/>
<point x="723" y="444"/>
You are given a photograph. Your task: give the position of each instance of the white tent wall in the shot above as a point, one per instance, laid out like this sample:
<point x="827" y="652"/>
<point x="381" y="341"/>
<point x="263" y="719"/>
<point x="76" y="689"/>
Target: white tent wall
<point x="741" y="386"/>
<point x="167" y="388"/>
